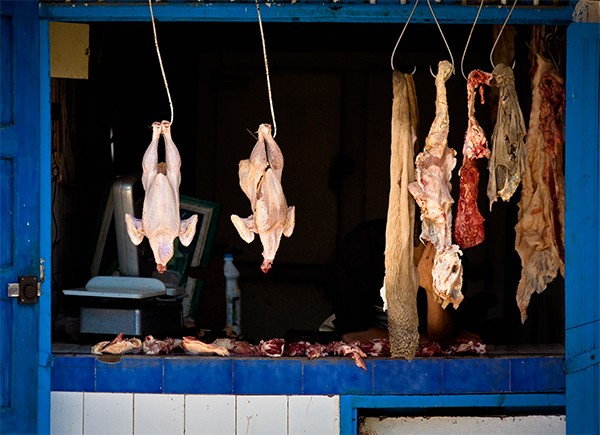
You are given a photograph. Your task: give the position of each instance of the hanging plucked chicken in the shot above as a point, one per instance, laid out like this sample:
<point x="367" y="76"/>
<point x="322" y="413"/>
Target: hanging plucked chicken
<point x="260" y="180"/>
<point x="161" y="222"/>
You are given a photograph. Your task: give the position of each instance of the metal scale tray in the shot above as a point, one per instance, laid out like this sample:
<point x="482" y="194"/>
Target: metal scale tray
<point x="131" y="305"/>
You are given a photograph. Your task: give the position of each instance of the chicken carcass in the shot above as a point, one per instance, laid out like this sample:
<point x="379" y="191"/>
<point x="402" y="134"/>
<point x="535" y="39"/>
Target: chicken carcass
<point x="260" y="180"/>
<point x="431" y="190"/>
<point x="161" y="222"/>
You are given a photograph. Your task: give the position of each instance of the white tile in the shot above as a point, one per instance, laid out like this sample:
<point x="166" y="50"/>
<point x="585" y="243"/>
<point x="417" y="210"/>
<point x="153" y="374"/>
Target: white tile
<point x="261" y="415"/>
<point x="158" y="414"/>
<point x="209" y="414"/>
<point x="314" y="415"/>
<point x="107" y="413"/>
<point x="66" y="413"/>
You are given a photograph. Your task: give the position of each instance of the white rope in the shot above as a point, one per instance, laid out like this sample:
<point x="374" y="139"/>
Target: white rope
<point x="500" y="33"/>
<point x="162" y="69"/>
<point x="262" y="37"/>
<point x="462" y="60"/>
<point x="402" y="33"/>
<point x="443" y="37"/>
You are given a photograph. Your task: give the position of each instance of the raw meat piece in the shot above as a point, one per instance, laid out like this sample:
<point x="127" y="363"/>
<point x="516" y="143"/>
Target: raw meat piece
<point x="193" y="346"/>
<point x="431" y="190"/>
<point x="152" y="346"/>
<point x="297" y="348"/>
<point x="273" y="347"/>
<point x="540" y="227"/>
<point x="466" y="347"/>
<point x="401" y="280"/>
<point x="376" y="347"/>
<point x="118" y="346"/>
<point x="430" y="349"/>
<point x="352" y="350"/>
<point x="316" y="350"/>
<point x="468" y="225"/>
<point x="507" y="162"/>
<point x="260" y="180"/>
<point x="161" y="222"/>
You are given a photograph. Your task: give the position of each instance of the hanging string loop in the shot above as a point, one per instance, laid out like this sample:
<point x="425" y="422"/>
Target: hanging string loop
<point x="462" y="60"/>
<point x="162" y="69"/>
<point x="264" y="47"/>
<point x="500" y="33"/>
<point x="443" y="37"/>
<point x="400" y="37"/>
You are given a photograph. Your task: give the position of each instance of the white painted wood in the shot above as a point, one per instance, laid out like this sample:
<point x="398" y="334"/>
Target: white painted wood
<point x="107" y="413"/>
<point x="261" y="415"/>
<point x="158" y="414"/>
<point x="66" y="413"/>
<point x="209" y="414"/>
<point x="530" y="424"/>
<point x="314" y="415"/>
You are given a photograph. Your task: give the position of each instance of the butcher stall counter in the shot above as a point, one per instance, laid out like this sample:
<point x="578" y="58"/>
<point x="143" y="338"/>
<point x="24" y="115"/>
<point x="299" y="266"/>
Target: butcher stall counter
<point x="331" y="393"/>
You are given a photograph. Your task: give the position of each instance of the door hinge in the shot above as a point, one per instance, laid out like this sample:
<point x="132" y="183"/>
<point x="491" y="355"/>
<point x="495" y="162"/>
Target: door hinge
<point x="582" y="361"/>
<point x="27" y="290"/>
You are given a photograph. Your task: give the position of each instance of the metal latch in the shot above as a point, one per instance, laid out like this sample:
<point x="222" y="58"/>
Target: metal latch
<point x="27" y="290"/>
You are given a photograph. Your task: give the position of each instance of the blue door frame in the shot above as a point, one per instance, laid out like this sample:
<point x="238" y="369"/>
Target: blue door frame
<point x="582" y="163"/>
<point x="25" y="349"/>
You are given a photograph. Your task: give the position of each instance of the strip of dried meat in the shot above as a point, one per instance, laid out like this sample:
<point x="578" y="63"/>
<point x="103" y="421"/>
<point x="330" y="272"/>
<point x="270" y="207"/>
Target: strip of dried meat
<point x="507" y="162"/>
<point x="401" y="281"/>
<point x="540" y="227"/>
<point x="431" y="190"/>
<point x="468" y="225"/>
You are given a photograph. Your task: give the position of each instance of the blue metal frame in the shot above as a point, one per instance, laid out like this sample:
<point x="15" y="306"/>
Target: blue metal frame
<point x="582" y="173"/>
<point x="350" y="405"/>
<point x="340" y="12"/>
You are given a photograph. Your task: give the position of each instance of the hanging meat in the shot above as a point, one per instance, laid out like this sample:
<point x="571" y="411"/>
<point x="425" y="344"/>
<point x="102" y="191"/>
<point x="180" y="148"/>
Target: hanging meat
<point x="540" y="226"/>
<point x="401" y="280"/>
<point x="507" y="162"/>
<point x="161" y="222"/>
<point x="431" y="190"/>
<point x="468" y="225"/>
<point x="260" y="180"/>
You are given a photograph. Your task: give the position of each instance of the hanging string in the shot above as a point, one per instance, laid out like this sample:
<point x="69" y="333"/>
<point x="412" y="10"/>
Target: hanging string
<point x="443" y="37"/>
<point x="500" y="33"/>
<point x="262" y="37"/>
<point x="162" y="69"/>
<point x="400" y="37"/>
<point x="462" y="71"/>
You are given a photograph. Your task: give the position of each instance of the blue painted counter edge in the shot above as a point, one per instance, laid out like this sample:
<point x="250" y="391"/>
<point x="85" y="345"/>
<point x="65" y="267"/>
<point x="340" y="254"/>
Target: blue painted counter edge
<point x="301" y="376"/>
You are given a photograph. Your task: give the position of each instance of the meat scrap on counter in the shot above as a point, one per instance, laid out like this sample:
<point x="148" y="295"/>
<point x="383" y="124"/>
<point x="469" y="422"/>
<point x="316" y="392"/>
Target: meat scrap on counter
<point x="161" y="222"/>
<point x="468" y="225"/>
<point x="431" y="191"/>
<point x="278" y="347"/>
<point x="260" y="180"/>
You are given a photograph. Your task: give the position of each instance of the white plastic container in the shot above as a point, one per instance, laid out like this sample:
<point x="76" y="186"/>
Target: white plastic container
<point x="232" y="295"/>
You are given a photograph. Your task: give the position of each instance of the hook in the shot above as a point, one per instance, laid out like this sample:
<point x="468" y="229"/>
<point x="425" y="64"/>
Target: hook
<point x="400" y="37"/>
<point x="548" y="39"/>
<point x="443" y="37"/>
<point x="462" y="71"/>
<point x="500" y="33"/>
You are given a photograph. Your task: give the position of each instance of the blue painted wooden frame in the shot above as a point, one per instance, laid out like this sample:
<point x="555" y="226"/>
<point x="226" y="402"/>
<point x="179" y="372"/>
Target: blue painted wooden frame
<point x="582" y="173"/>
<point x="350" y="405"/>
